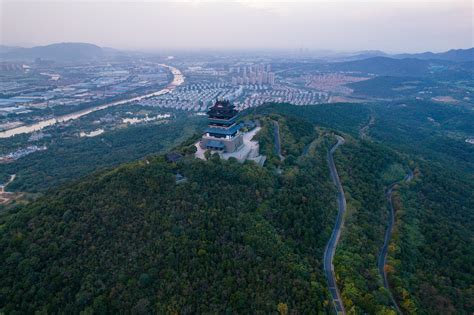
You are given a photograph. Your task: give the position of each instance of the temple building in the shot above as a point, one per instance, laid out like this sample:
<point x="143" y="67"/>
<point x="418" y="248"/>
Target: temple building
<point x="223" y="132"/>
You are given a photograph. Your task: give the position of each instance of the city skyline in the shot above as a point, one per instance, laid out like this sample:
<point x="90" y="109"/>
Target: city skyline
<point x="391" y="26"/>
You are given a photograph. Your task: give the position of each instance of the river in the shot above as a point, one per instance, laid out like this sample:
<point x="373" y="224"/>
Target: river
<point x="178" y="79"/>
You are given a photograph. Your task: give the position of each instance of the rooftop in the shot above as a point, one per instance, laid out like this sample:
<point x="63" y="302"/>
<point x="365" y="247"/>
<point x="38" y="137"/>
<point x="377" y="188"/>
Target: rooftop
<point x="222" y="109"/>
<point x="224" y="131"/>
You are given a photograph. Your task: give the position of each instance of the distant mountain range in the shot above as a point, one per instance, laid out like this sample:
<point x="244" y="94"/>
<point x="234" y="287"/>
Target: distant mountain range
<point x="57" y="52"/>
<point x="406" y="67"/>
<point x="369" y="60"/>
<point x="453" y="64"/>
<point x="358" y="55"/>
<point x="455" y="55"/>
<point x="384" y="66"/>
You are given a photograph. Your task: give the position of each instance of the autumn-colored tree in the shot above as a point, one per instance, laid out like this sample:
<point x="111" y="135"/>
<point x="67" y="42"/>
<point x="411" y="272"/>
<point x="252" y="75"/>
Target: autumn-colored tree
<point x="282" y="308"/>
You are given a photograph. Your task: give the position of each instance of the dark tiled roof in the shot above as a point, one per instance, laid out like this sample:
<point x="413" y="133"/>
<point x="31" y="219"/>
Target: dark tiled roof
<point x="215" y="144"/>
<point x="173" y="157"/>
<point x="224" y="131"/>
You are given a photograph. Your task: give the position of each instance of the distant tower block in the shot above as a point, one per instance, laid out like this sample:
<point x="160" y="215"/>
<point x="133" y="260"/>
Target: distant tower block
<point x="223" y="133"/>
<point x="271" y="78"/>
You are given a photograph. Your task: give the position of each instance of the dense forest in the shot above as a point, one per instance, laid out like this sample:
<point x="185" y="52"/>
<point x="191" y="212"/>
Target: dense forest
<point x="431" y="256"/>
<point x="341" y="117"/>
<point x="430" y="131"/>
<point x="73" y="157"/>
<point x="365" y="170"/>
<point x="232" y="238"/>
<point x="239" y="238"/>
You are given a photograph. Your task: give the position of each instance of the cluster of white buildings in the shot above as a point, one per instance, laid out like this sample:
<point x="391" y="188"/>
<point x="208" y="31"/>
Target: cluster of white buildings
<point x="195" y="97"/>
<point x="201" y="100"/>
<point x="21" y="153"/>
<point x="199" y="97"/>
<point x="295" y="97"/>
<point x="256" y="74"/>
<point x="251" y="86"/>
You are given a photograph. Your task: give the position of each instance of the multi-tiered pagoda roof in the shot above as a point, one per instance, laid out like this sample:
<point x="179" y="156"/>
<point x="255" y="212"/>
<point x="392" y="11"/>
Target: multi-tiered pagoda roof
<point x="222" y="109"/>
<point x="223" y="131"/>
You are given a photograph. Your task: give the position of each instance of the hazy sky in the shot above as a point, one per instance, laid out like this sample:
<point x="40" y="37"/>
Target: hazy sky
<point x="394" y="26"/>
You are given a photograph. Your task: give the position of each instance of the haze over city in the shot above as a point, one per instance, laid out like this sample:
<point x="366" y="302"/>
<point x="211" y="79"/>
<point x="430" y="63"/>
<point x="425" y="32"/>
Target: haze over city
<point x="236" y="157"/>
<point x="347" y="25"/>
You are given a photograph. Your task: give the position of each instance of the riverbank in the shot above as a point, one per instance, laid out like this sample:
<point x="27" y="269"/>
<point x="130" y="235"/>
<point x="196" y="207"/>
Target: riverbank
<point x="178" y="79"/>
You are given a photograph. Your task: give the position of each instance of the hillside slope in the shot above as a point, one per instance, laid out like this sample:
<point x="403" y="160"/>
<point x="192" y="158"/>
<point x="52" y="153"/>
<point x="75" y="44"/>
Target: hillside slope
<point x="58" y="52"/>
<point x="239" y="238"/>
<point x="457" y="55"/>
<point x="233" y="238"/>
<point x="431" y="255"/>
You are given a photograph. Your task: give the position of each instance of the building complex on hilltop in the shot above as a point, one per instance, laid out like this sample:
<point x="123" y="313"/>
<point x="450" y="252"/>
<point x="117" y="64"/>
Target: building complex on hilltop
<point x="223" y="133"/>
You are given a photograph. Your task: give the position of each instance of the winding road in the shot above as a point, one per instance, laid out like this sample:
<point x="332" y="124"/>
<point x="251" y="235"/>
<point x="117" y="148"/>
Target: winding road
<point x="382" y="260"/>
<point x="2" y="187"/>
<point x="5" y="196"/>
<point x="336" y="233"/>
<point x="364" y="131"/>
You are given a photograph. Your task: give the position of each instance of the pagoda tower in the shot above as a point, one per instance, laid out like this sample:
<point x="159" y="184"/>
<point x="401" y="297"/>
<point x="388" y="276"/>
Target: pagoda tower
<point x="223" y="132"/>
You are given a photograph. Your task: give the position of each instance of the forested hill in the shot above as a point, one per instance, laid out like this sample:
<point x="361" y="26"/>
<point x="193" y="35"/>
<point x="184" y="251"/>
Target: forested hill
<point x="233" y="238"/>
<point x="238" y="238"/>
<point x="431" y="257"/>
<point x="59" y="52"/>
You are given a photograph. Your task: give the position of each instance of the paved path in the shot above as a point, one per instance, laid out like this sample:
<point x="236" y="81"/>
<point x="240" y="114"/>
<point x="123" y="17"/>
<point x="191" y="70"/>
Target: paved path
<point x="276" y="134"/>
<point x="336" y="233"/>
<point x="309" y="146"/>
<point x="382" y="260"/>
<point x="5" y="196"/>
<point x="2" y="187"/>
<point x="364" y="131"/>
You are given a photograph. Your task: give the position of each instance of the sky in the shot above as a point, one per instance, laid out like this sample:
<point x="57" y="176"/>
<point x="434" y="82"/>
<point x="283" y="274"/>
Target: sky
<point x="153" y="25"/>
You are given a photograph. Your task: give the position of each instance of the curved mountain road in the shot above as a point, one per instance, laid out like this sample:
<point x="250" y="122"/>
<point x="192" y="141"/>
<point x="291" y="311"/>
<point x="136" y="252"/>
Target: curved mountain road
<point x="382" y="260"/>
<point x="336" y="233"/>
<point x="364" y="131"/>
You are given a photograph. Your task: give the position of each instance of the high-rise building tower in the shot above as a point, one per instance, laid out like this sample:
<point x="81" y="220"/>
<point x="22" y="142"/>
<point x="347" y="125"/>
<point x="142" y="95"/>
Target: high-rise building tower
<point x="271" y="78"/>
<point x="223" y="132"/>
<point x="265" y="77"/>
<point x="260" y="78"/>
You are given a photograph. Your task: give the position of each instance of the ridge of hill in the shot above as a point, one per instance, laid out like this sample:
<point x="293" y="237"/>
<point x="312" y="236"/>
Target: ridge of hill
<point x="455" y="55"/>
<point x="229" y="239"/>
<point x="238" y="238"/>
<point x="57" y="52"/>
